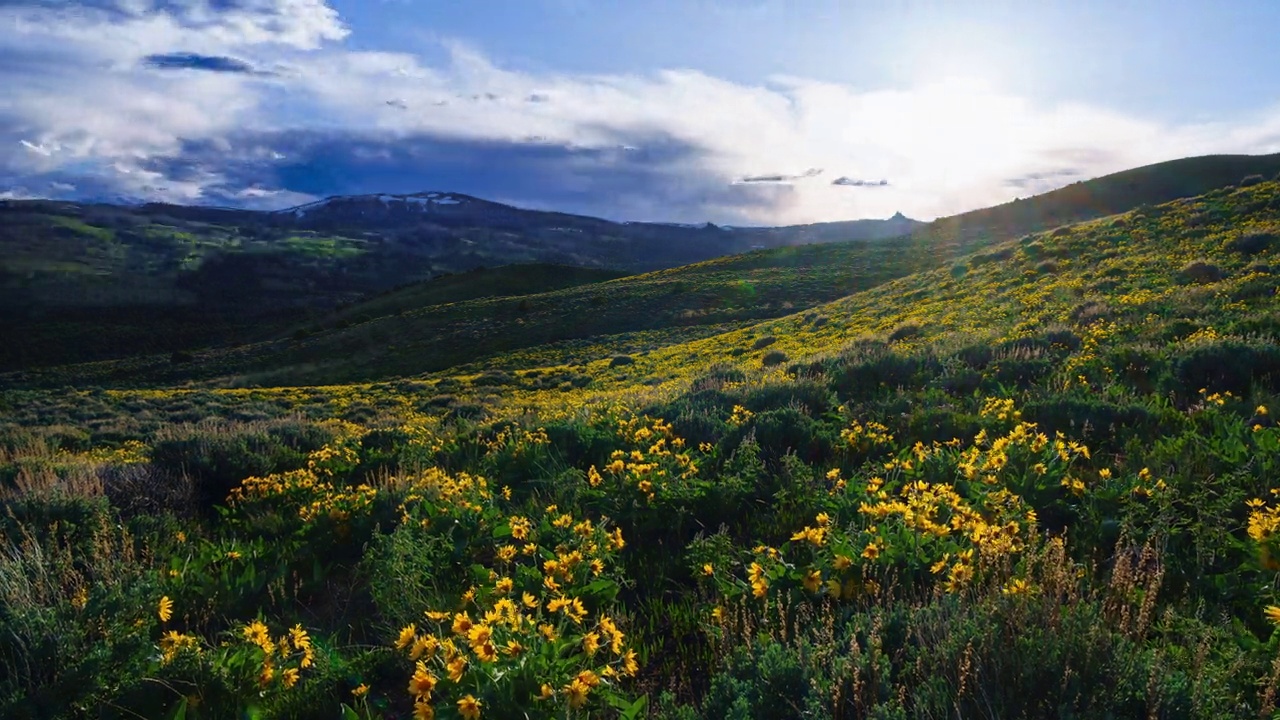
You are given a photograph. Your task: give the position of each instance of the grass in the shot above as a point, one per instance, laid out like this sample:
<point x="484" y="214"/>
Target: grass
<point x="978" y="487"/>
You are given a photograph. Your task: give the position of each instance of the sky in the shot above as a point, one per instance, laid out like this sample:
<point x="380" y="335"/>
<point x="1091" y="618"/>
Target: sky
<point x="763" y="112"/>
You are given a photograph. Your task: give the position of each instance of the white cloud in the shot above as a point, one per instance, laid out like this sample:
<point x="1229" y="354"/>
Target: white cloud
<point x="82" y="102"/>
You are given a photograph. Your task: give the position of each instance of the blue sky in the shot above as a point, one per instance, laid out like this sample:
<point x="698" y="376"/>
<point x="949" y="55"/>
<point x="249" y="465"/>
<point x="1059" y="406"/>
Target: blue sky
<point x="734" y="111"/>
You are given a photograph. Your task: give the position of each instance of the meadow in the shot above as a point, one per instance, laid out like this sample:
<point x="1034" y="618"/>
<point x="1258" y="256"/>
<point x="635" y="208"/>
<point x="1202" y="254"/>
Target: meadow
<point x="1033" y="478"/>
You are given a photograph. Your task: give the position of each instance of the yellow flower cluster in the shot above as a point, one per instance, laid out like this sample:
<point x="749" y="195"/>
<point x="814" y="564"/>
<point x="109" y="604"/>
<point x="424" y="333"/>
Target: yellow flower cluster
<point x="657" y="457"/>
<point x="442" y="491"/>
<point x="312" y="497"/>
<point x="517" y="440"/>
<point x="532" y="609"/>
<point x="173" y="643"/>
<point x="864" y="437"/>
<point x="292" y="650"/>
<point x="999" y="409"/>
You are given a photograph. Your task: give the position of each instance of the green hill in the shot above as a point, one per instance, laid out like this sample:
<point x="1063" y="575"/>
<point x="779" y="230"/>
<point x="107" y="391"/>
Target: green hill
<point x="87" y="282"/>
<point x="409" y="332"/>
<point x="1034" y="478"/>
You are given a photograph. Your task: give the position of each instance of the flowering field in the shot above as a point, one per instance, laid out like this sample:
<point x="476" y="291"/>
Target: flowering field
<point x="1038" y="481"/>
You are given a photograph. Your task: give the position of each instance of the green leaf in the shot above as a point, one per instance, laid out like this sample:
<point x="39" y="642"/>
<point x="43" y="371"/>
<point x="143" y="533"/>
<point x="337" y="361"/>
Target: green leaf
<point x="629" y="710"/>
<point x="348" y="713"/>
<point x="179" y="711"/>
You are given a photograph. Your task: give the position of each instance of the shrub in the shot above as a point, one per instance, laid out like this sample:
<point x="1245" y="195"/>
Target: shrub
<point x="860" y="379"/>
<point x="961" y="382"/>
<point x="1018" y="370"/>
<point x="1225" y="365"/>
<point x="467" y="412"/>
<point x="1255" y="287"/>
<point x="1251" y="180"/>
<point x="773" y="357"/>
<point x="718" y="375"/>
<point x="1252" y="243"/>
<point x="787" y="430"/>
<point x="1099" y="422"/>
<point x="975" y="356"/>
<point x="1138" y="367"/>
<point x="620" y="360"/>
<point x="217" y="456"/>
<point x="1200" y="271"/>
<point x="490" y="378"/>
<point x="143" y="489"/>
<point x="764" y="342"/>
<point x="815" y="397"/>
<point x="1047" y="267"/>
<point x="991" y="257"/>
<point x="903" y="332"/>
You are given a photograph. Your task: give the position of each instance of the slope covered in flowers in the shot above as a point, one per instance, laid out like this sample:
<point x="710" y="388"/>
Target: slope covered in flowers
<point x="1038" y="481"/>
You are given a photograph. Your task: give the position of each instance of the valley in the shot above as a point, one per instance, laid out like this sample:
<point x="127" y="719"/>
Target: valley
<point x="1012" y="463"/>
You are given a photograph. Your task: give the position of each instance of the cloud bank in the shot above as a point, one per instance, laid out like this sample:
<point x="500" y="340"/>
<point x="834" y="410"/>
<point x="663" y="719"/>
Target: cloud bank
<point x="266" y="103"/>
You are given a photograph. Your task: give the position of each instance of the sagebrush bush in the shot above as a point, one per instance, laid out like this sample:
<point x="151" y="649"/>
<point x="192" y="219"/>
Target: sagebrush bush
<point x="1228" y="365"/>
<point x="1252" y="242"/>
<point x="216" y="456"/>
<point x="773" y="357"/>
<point x="1200" y="271"/>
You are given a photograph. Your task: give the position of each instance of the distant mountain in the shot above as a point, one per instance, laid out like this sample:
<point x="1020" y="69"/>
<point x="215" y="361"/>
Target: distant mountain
<point x="91" y="281"/>
<point x="85" y="282"/>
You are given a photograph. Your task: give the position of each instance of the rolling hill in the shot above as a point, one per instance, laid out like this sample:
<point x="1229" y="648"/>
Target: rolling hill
<point x="1033" y="479"/>
<point x="86" y="282"/>
<point x="412" y="330"/>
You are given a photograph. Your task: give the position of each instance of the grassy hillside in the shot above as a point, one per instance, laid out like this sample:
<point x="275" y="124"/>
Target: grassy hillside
<point x="94" y="282"/>
<point x="409" y="332"/>
<point x="1035" y="481"/>
<point x="90" y="282"/>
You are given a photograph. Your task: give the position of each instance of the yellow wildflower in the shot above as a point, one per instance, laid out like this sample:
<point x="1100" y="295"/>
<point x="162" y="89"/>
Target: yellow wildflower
<point x="469" y="708"/>
<point x="813" y="580"/>
<point x="1273" y="614"/>
<point x="406" y="636"/>
<point x="577" y="692"/>
<point x="456" y="667"/>
<point x="165" y="610"/>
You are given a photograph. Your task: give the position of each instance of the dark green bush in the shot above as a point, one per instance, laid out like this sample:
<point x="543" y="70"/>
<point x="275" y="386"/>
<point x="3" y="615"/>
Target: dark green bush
<point x="1200" y="271"/>
<point x="903" y="332"/>
<point x="620" y="360"/>
<point x="976" y="356"/>
<point x="1017" y="371"/>
<point x="1252" y="242"/>
<point x="1103" y="424"/>
<point x="217" y="456"/>
<point x="773" y="357"/>
<point x="787" y="430"/>
<point x="1225" y="365"/>
<point x="766" y="682"/>
<point x="763" y="342"/>
<point x="815" y="397"/>
<point x="719" y="374"/>
<point x="490" y="378"/>
<point x="888" y="371"/>
<point x="962" y="381"/>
